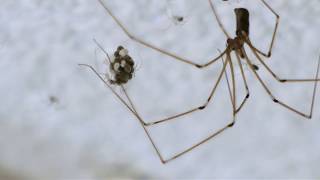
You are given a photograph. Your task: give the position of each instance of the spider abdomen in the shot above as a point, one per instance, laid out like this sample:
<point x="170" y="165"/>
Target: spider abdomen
<point x="242" y="15"/>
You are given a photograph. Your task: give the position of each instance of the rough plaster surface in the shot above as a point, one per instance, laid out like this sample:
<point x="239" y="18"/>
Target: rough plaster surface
<point x="57" y="120"/>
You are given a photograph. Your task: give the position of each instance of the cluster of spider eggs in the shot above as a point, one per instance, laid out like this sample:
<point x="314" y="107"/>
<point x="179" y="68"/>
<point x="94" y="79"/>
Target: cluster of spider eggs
<point x="121" y="66"/>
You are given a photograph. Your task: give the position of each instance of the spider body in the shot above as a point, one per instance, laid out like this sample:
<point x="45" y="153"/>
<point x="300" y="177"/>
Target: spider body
<point x="236" y="44"/>
<point x="242" y="32"/>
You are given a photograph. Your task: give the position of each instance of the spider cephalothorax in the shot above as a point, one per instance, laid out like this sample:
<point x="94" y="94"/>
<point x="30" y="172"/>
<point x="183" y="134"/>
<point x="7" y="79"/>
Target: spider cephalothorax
<point x="121" y="66"/>
<point x="242" y="32"/>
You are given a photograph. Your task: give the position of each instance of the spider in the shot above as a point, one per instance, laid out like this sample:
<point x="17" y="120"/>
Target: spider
<point x="121" y="66"/>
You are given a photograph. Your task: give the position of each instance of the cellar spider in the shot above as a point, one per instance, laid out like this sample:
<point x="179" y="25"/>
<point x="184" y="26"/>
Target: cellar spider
<point x="235" y="45"/>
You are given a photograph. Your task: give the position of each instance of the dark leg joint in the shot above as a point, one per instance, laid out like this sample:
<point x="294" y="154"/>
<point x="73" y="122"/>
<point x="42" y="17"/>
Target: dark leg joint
<point x="255" y="67"/>
<point x="163" y="161"/>
<point x="231" y="124"/>
<point x="269" y="54"/>
<point x="150" y="124"/>
<point x="275" y="100"/>
<point x="199" y="66"/>
<point x="247" y="96"/>
<point x="283" y="80"/>
<point x="201" y="107"/>
<point x="132" y="37"/>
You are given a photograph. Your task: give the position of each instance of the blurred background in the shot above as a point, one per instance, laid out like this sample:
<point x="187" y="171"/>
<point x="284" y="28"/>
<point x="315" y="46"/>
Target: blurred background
<point x="58" y="120"/>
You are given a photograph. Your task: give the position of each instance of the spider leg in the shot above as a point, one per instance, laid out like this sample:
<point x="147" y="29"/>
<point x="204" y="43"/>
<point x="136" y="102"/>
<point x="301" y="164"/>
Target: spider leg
<point x="228" y="84"/>
<point x="273" y="74"/>
<point x="133" y="110"/>
<point x="245" y="84"/>
<point x="218" y="19"/>
<point x="231" y="94"/>
<point x="135" y="113"/>
<point x="229" y="125"/>
<point x="109" y="86"/>
<point x="103" y="50"/>
<point x="149" y="45"/>
<point x="130" y="107"/>
<point x="268" y="54"/>
<point x="202" y="142"/>
<point x="275" y="100"/>
<point x="234" y="100"/>
<point x="177" y="115"/>
<point x="198" y="108"/>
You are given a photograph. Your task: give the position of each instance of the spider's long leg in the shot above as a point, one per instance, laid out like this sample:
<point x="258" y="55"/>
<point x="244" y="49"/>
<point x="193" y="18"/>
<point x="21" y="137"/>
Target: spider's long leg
<point x="234" y="95"/>
<point x="309" y="116"/>
<point x="198" y="108"/>
<point x="218" y="19"/>
<point x="202" y="142"/>
<point x="109" y="86"/>
<point x="149" y="45"/>
<point x="213" y="134"/>
<point x="268" y="54"/>
<point x="135" y="113"/>
<point x="273" y="74"/>
<point x="132" y="109"/>
<point x="245" y="84"/>
<point x="171" y="117"/>
<point x="228" y="84"/>
<point x="129" y="99"/>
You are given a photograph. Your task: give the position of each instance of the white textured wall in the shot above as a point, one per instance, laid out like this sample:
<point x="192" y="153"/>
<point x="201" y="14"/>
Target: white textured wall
<point x="88" y="133"/>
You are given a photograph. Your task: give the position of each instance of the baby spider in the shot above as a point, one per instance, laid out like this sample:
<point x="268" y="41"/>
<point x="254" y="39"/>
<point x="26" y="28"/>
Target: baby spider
<point x="233" y="45"/>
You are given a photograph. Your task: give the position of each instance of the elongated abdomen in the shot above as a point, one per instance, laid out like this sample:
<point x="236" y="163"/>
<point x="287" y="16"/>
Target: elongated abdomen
<point x="242" y="16"/>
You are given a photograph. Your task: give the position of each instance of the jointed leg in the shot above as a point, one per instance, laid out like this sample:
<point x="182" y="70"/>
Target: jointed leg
<point x="245" y="84"/>
<point x="229" y="87"/>
<point x="130" y="108"/>
<point x="202" y="142"/>
<point x="274" y="31"/>
<point x="218" y="19"/>
<point x="309" y="116"/>
<point x="234" y="95"/>
<point x="144" y="43"/>
<point x="228" y="84"/>
<point x="135" y="113"/>
<point x="198" y="108"/>
<point x="143" y="126"/>
<point x="273" y="74"/>
<point x="222" y="129"/>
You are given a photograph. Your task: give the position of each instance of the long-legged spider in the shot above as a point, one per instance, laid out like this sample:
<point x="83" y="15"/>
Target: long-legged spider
<point x="234" y="45"/>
